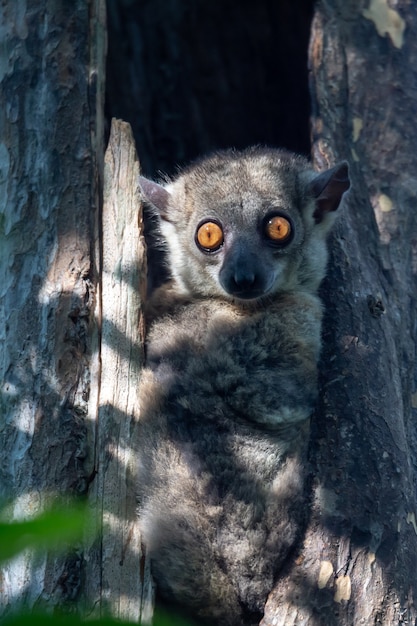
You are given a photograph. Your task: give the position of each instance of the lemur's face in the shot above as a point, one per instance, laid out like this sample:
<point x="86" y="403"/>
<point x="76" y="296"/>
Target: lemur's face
<point x="248" y="259"/>
<point x="245" y="226"/>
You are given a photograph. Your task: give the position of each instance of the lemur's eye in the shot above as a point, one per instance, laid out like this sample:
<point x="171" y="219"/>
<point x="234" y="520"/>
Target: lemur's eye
<point x="209" y="236"/>
<point x="278" y="229"/>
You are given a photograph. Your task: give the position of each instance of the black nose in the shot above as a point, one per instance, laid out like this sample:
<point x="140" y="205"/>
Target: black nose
<point x="242" y="280"/>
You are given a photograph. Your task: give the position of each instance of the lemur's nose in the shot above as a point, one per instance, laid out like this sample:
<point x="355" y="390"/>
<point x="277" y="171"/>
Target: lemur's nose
<point x="244" y="278"/>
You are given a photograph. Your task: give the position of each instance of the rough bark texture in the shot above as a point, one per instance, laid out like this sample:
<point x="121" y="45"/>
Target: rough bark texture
<point x="47" y="292"/>
<point x="69" y="307"/>
<point x="357" y="564"/>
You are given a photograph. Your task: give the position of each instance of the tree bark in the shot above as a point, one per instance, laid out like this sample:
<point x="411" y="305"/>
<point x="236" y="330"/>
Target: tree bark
<point x="357" y="562"/>
<point x="70" y="294"/>
<point x="48" y="336"/>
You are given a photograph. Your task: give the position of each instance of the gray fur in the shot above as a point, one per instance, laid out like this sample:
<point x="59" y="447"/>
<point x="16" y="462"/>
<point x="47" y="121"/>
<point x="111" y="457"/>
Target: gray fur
<point x="231" y="382"/>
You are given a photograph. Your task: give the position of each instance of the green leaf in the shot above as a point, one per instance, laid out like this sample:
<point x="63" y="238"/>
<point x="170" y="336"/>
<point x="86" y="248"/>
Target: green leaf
<point x="38" y="619"/>
<point x="53" y="529"/>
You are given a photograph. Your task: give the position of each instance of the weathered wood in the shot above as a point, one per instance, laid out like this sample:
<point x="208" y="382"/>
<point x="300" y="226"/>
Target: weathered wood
<point x="357" y="563"/>
<point x="117" y="579"/>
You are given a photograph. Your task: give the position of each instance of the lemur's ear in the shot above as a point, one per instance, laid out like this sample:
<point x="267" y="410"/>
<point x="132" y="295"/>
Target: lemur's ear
<point x="328" y="189"/>
<point x="155" y="194"/>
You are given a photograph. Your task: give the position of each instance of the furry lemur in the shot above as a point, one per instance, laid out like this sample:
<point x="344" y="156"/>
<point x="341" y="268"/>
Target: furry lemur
<point x="231" y="377"/>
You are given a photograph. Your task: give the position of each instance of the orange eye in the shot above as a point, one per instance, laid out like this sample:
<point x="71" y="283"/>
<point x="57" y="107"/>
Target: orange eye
<point x="278" y="229"/>
<point x="209" y="236"/>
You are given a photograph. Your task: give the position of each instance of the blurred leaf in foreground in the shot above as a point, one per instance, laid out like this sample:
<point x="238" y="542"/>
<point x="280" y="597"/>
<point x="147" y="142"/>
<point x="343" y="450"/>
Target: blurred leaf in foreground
<point x="53" y="529"/>
<point x="74" y="620"/>
<point x="29" y="619"/>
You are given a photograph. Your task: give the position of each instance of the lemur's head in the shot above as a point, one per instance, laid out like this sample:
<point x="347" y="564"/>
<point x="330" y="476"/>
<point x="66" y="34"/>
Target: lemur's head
<point x="244" y="225"/>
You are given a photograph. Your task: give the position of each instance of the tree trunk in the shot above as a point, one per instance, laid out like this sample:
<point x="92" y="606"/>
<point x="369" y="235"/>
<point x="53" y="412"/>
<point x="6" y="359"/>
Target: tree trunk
<point x="71" y="282"/>
<point x="357" y="563"/>
<point x="48" y="279"/>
